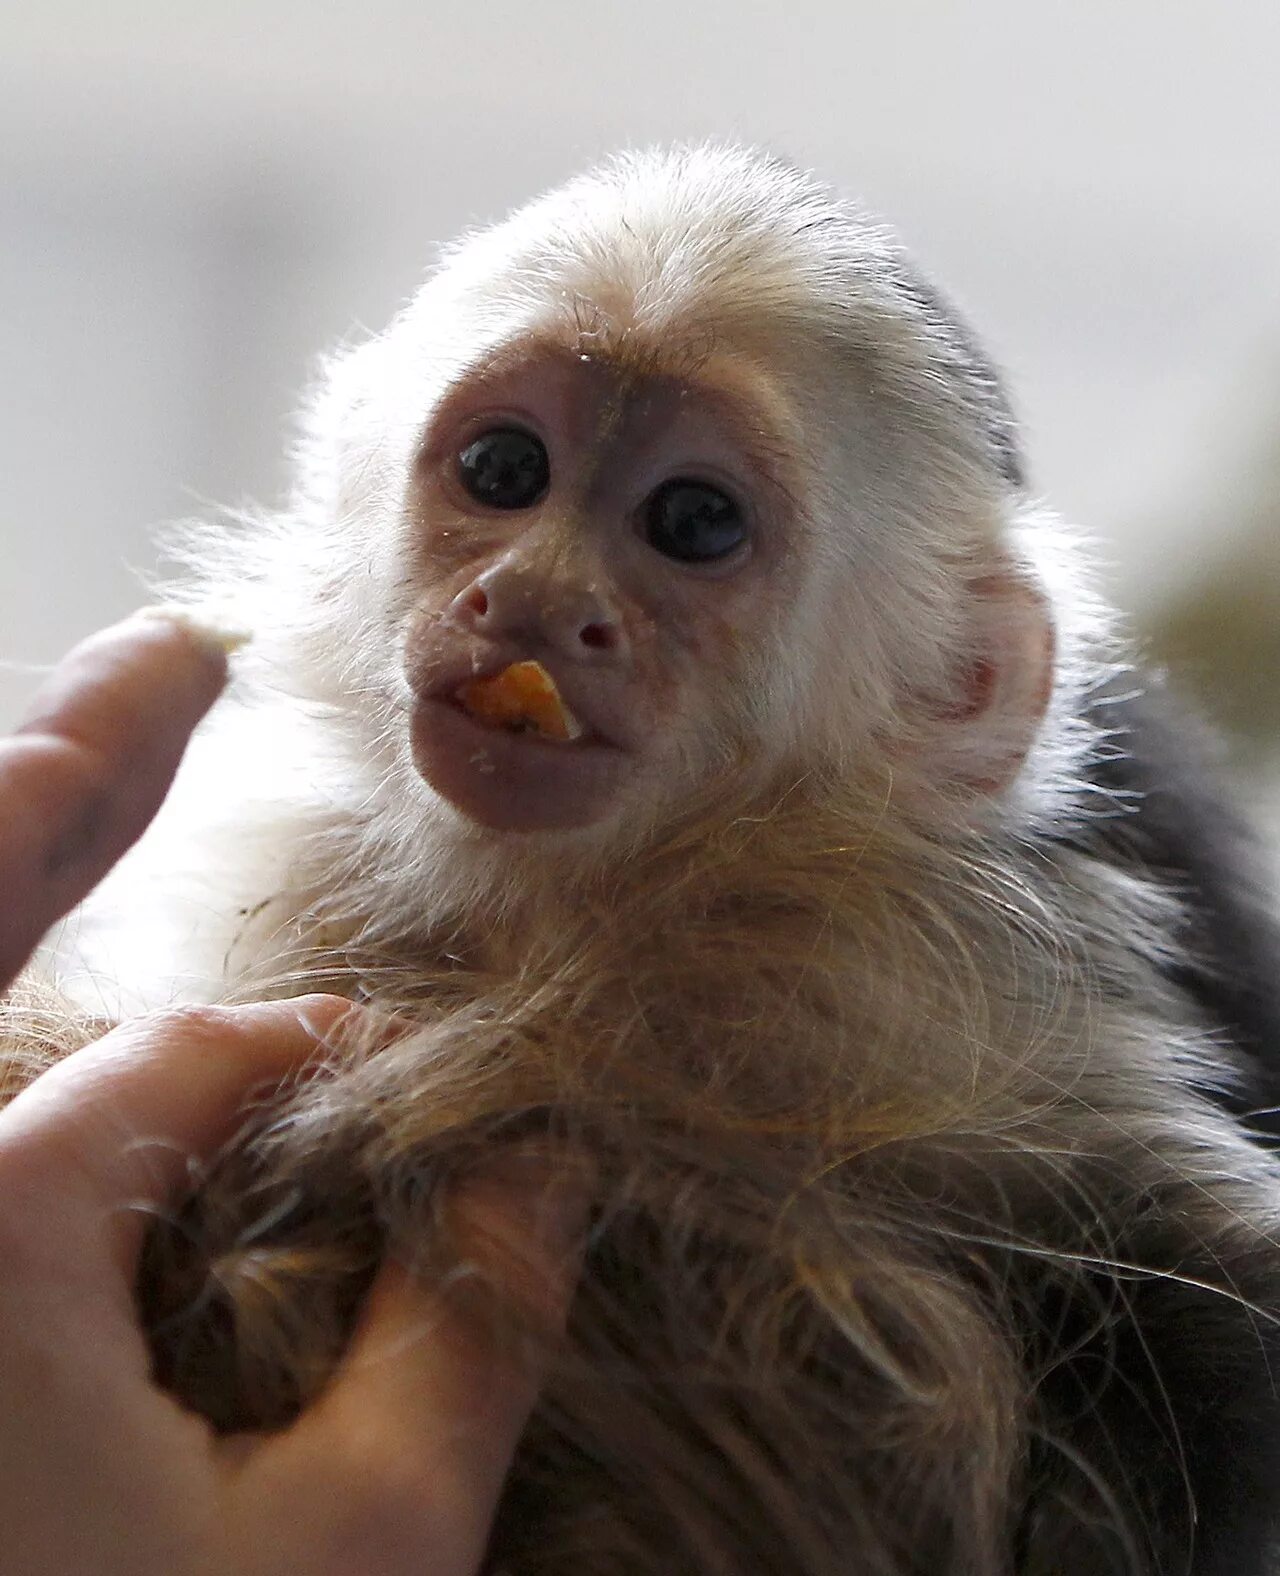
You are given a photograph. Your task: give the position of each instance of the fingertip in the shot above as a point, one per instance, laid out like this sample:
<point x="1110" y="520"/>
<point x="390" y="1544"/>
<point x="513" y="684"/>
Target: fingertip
<point x="524" y="1218"/>
<point x="211" y="630"/>
<point x="322" y="1012"/>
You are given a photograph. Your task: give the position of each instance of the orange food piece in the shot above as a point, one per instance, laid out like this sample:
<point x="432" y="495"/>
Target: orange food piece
<point x="523" y="697"/>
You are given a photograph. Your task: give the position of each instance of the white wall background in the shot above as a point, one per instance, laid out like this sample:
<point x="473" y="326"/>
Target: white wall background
<point x="195" y="199"/>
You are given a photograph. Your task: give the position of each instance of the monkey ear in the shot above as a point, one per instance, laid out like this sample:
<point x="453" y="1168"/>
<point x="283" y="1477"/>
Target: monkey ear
<point x="975" y="743"/>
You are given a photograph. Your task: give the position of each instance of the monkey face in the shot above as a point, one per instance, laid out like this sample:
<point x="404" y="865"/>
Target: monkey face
<point x="616" y="524"/>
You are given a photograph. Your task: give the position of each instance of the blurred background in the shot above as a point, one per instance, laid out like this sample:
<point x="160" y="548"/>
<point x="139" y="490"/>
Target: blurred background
<point x="195" y="200"/>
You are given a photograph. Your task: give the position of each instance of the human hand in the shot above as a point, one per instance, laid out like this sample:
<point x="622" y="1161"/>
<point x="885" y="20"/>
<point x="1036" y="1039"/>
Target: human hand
<point x="396" y="1469"/>
<point x="399" y="1464"/>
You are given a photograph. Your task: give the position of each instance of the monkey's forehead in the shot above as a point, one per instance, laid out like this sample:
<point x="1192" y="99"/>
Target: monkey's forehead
<point x="705" y="240"/>
<point x="657" y="260"/>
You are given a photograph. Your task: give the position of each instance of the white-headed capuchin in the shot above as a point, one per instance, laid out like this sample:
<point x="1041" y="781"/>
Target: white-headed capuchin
<point x="670" y="708"/>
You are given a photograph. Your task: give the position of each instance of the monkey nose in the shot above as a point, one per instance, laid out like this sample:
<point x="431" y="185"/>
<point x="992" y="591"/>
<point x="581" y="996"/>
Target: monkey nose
<point x="576" y="621"/>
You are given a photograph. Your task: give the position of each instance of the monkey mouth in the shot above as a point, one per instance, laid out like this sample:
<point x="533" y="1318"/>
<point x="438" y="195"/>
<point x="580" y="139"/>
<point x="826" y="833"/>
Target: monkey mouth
<point x="514" y="773"/>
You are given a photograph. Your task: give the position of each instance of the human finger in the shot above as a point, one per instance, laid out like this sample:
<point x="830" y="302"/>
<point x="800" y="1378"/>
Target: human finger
<point x="91" y="763"/>
<point x="418" y="1430"/>
<point x="111" y="1134"/>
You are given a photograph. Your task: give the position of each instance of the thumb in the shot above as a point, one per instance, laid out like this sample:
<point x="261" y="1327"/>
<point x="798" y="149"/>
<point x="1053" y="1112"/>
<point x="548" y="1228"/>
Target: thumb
<point x="401" y="1462"/>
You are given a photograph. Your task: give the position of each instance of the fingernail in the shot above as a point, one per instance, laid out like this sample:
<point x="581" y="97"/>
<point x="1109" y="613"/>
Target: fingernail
<point x="551" y="1199"/>
<point x="208" y="627"/>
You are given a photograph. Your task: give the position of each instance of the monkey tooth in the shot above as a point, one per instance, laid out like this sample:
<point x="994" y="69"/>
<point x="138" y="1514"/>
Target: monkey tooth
<point x="523" y="698"/>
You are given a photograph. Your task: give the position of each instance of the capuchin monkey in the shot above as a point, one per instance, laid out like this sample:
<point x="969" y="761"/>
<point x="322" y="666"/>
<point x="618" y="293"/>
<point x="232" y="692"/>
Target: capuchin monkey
<point x="671" y="710"/>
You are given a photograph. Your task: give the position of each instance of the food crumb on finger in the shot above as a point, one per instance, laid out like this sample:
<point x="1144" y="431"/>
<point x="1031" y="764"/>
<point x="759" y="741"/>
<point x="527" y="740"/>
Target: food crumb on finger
<point x="207" y="627"/>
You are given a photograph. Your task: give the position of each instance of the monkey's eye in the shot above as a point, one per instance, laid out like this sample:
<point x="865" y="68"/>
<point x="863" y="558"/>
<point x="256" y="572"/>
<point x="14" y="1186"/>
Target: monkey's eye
<point x="693" y="522"/>
<point x="505" y="468"/>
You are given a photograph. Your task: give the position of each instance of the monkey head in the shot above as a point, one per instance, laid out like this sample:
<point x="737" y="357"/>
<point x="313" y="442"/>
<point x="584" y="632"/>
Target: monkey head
<point x="691" y="436"/>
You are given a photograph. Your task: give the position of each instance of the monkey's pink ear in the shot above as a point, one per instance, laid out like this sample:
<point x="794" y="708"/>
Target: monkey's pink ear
<point x="977" y="741"/>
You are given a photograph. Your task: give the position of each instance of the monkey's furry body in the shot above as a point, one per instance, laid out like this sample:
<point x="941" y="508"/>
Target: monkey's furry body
<point x="866" y="985"/>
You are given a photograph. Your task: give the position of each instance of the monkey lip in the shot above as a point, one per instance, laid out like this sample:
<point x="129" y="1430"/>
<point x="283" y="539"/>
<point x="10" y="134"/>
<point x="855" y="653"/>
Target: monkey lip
<point x="585" y="716"/>
<point x="521" y="782"/>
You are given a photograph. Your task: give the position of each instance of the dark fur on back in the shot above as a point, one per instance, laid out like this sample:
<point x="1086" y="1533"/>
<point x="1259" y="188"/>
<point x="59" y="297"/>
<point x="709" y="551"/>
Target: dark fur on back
<point x="1190" y="1389"/>
<point x="1170" y="818"/>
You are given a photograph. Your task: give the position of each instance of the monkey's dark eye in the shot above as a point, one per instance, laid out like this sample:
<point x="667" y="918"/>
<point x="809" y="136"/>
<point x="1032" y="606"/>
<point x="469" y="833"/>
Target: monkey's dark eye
<point x="506" y="468"/>
<point x="693" y="522"/>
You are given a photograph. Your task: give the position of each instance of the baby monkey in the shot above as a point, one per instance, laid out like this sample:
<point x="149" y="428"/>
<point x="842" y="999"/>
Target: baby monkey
<point x="669" y="703"/>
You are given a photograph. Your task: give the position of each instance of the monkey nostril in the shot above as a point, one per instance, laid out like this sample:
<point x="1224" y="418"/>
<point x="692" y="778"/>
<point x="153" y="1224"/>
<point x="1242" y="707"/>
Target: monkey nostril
<point x="474" y="600"/>
<point x="600" y="637"/>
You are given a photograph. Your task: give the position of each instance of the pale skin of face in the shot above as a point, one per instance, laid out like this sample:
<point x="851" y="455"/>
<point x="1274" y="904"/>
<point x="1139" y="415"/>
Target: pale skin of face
<point x="572" y="580"/>
<point x="398" y="1466"/>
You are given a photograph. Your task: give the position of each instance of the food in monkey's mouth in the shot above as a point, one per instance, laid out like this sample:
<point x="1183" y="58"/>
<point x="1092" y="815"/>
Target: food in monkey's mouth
<point x="523" y="698"/>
